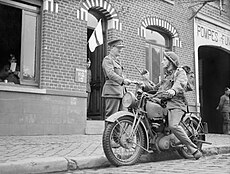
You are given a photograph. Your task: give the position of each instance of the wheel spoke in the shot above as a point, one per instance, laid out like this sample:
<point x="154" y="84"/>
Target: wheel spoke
<point x="124" y="153"/>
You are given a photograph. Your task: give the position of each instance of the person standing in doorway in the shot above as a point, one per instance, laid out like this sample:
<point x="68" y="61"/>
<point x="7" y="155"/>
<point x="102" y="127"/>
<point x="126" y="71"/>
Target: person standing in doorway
<point x="224" y="108"/>
<point x="89" y="79"/>
<point x="113" y="89"/>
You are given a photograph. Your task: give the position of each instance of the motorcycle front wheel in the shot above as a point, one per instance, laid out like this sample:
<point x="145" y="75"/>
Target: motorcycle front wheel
<point x="195" y="133"/>
<point x="122" y="146"/>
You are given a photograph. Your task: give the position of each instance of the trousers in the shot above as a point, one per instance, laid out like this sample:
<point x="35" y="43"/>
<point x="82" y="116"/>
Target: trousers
<point x="226" y="122"/>
<point x="174" y="118"/>
<point x="112" y="105"/>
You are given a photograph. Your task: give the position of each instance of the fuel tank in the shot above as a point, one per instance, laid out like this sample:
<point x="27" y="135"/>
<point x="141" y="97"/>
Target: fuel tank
<point x="154" y="110"/>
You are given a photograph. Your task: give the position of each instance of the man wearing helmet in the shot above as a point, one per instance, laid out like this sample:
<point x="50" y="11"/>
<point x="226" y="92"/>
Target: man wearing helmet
<point x="174" y="83"/>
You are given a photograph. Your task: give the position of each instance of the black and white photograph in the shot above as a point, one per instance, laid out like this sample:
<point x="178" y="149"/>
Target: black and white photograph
<point x="114" y="86"/>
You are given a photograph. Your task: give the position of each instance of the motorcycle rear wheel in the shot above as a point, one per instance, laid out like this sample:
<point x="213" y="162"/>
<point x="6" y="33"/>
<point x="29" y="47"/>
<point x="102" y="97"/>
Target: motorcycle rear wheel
<point x="129" y="149"/>
<point x="199" y="135"/>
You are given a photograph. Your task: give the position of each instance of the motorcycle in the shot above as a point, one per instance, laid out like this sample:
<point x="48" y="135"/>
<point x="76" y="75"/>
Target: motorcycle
<point x="144" y="127"/>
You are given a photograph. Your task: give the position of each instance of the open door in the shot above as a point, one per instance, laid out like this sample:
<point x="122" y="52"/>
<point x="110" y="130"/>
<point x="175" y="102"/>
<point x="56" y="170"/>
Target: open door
<point x="95" y="110"/>
<point x="214" y="75"/>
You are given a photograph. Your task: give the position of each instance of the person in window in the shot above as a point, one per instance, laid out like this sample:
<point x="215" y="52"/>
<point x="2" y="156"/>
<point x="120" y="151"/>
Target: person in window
<point x="173" y="84"/>
<point x="113" y="89"/>
<point x="10" y="71"/>
<point x="224" y="108"/>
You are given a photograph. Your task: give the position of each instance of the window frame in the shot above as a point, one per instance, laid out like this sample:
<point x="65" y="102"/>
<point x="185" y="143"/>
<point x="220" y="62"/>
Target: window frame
<point x="35" y="8"/>
<point x="150" y="45"/>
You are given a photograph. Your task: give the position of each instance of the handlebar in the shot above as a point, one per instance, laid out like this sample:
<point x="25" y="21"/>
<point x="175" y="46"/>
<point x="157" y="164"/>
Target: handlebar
<point x="153" y="94"/>
<point x="136" y="82"/>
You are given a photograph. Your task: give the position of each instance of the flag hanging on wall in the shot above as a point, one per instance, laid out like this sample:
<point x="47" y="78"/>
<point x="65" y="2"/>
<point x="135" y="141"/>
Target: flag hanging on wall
<point x="96" y="38"/>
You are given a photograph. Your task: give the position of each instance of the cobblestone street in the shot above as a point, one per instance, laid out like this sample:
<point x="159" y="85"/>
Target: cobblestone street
<point x="206" y="165"/>
<point x="21" y="147"/>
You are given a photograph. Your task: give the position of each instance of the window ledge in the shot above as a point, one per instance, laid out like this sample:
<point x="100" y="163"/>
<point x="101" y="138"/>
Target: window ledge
<point x="18" y="88"/>
<point x="11" y="87"/>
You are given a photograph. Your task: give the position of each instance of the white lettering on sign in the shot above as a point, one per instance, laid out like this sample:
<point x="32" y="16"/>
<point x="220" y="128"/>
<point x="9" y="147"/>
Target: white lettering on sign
<point x="213" y="35"/>
<point x="225" y="39"/>
<point x="80" y="75"/>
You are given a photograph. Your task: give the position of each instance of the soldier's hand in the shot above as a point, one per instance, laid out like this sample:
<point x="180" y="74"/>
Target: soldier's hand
<point x="171" y="92"/>
<point x="127" y="82"/>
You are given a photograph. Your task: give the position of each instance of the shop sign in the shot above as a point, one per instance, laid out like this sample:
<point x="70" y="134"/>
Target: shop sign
<point x="208" y="36"/>
<point x="80" y="75"/>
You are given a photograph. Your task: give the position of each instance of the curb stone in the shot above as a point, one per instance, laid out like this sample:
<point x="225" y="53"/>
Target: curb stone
<point x="60" y="164"/>
<point x="216" y="150"/>
<point x="35" y="165"/>
<point x="91" y="162"/>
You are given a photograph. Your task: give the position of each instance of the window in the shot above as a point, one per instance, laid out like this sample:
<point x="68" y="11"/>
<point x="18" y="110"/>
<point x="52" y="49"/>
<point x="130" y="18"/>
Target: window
<point x="19" y="30"/>
<point x="156" y="43"/>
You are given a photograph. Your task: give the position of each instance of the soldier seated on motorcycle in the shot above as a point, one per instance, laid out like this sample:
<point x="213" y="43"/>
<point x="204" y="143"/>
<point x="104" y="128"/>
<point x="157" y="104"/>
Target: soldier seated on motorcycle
<point x="174" y="83"/>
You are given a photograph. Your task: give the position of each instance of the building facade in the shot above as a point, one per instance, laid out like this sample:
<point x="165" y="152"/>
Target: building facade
<point x="49" y="39"/>
<point x="212" y="60"/>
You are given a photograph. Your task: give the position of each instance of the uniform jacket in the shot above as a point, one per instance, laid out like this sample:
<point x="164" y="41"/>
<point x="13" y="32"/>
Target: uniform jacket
<point x="177" y="81"/>
<point x="113" y="86"/>
<point x="224" y="105"/>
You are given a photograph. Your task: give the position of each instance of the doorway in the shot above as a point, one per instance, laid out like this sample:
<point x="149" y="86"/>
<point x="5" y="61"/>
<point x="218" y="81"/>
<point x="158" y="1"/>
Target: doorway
<point x="214" y="75"/>
<point x="96" y="109"/>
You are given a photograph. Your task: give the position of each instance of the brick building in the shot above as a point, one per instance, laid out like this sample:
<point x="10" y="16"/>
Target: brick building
<point x="49" y="40"/>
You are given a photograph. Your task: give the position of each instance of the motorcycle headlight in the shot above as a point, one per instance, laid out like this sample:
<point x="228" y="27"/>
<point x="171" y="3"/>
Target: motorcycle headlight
<point x="128" y="100"/>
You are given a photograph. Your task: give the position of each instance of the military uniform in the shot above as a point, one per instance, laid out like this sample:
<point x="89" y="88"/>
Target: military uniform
<point x="88" y="86"/>
<point x="176" y="80"/>
<point x="224" y="107"/>
<point x="113" y="89"/>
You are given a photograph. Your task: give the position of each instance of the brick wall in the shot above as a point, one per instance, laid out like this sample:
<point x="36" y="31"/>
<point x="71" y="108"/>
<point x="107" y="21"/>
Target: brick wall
<point x="63" y="47"/>
<point x="64" y="38"/>
<point x="177" y="15"/>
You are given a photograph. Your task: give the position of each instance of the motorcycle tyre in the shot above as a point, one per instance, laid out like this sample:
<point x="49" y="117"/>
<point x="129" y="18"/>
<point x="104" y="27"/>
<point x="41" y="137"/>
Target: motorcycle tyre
<point x="108" y="149"/>
<point x="183" y="152"/>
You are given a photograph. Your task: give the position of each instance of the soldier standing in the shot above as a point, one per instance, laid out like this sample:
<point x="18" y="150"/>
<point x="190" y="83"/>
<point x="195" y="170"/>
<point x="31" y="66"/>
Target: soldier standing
<point x="224" y="108"/>
<point x="113" y="89"/>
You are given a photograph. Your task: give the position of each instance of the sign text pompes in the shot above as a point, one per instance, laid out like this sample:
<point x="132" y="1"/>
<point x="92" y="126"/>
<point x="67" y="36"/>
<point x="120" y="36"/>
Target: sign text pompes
<point x="213" y="35"/>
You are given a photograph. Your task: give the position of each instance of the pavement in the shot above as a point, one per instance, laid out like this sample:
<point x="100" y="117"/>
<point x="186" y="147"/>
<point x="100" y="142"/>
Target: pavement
<point x="43" y="154"/>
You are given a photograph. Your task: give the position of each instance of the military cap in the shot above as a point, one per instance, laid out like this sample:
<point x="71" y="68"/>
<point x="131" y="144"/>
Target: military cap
<point x="116" y="43"/>
<point x="172" y="57"/>
<point x="226" y="89"/>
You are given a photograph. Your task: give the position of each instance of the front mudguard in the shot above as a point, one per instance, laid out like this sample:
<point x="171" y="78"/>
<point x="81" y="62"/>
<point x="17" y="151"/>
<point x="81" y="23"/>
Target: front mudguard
<point x="114" y="117"/>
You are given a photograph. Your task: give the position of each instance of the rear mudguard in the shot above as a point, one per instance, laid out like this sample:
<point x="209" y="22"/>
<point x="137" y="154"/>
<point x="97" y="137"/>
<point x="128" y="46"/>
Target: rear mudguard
<point x="194" y="116"/>
<point x="114" y="117"/>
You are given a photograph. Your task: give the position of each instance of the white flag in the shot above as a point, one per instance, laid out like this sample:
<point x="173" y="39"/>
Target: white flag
<point x="96" y="38"/>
